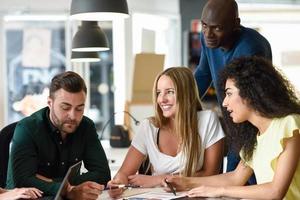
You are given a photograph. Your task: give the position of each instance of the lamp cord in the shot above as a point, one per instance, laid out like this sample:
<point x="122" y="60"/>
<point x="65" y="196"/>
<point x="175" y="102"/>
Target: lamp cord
<point x="136" y="122"/>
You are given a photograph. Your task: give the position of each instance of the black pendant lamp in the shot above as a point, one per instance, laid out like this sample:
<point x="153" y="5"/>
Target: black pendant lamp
<point x="98" y="10"/>
<point x="90" y="37"/>
<point x="85" y="57"/>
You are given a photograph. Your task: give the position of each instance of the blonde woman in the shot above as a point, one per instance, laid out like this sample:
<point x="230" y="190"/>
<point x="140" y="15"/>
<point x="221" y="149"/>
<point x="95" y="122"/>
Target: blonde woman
<point x="180" y="139"/>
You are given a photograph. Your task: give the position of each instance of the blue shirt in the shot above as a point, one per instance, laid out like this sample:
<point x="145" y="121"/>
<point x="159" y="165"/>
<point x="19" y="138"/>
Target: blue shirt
<point x="248" y="43"/>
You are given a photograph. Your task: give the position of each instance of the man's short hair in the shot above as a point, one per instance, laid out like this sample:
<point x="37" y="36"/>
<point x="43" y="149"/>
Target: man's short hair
<point x="69" y="81"/>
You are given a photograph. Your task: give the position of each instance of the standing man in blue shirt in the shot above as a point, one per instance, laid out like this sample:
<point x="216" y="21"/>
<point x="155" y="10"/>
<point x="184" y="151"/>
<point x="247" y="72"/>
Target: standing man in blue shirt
<point x="223" y="39"/>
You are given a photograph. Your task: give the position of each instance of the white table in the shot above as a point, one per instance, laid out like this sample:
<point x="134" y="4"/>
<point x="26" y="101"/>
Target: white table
<point x="135" y="191"/>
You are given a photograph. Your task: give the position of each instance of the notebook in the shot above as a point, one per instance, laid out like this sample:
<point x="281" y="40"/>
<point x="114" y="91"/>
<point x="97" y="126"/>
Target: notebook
<point x="72" y="171"/>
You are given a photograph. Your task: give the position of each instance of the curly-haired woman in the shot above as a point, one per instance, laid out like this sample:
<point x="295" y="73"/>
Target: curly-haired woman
<point x="263" y="114"/>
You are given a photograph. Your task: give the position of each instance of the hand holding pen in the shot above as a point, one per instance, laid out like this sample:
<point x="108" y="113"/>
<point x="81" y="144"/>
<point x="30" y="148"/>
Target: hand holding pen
<point x="116" y="186"/>
<point x="113" y="188"/>
<point x="179" y="183"/>
<point x="170" y="186"/>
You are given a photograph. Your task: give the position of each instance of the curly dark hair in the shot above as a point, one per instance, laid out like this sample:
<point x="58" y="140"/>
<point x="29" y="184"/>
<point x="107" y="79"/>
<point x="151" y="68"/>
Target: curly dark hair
<point x="266" y="90"/>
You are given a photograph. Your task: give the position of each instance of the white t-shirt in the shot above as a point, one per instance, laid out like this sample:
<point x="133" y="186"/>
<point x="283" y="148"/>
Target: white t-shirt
<point x="145" y="141"/>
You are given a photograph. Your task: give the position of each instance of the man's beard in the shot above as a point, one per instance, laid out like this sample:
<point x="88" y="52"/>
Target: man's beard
<point x="59" y="124"/>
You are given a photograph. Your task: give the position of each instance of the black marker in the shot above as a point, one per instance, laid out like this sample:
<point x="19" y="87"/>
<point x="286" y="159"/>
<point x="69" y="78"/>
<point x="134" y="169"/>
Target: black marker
<point x="170" y="186"/>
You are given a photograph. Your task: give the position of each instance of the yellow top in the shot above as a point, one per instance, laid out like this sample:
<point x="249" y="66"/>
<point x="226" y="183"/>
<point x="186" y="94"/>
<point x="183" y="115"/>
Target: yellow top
<point x="269" y="146"/>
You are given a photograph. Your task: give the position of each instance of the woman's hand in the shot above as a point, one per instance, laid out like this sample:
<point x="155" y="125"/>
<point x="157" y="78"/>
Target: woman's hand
<point x="118" y="179"/>
<point x="24" y="193"/>
<point x="205" y="191"/>
<point x="180" y="183"/>
<point x="145" y="180"/>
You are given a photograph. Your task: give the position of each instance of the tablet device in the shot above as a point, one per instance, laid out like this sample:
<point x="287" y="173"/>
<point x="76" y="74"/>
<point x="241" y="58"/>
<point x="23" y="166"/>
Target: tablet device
<point x="72" y="171"/>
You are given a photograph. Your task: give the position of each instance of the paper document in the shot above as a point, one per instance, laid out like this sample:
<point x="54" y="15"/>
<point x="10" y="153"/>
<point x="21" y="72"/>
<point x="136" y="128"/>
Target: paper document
<point x="155" y="195"/>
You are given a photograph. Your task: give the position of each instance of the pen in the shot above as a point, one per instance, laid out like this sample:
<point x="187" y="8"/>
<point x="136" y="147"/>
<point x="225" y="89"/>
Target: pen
<point x="120" y="186"/>
<point x="171" y="187"/>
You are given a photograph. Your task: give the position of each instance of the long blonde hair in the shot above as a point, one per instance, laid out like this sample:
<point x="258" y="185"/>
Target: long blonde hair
<point x="186" y="120"/>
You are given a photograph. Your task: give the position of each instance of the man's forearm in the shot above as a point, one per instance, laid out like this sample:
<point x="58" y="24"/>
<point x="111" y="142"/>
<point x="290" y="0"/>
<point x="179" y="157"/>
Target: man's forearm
<point x="49" y="180"/>
<point x="48" y="188"/>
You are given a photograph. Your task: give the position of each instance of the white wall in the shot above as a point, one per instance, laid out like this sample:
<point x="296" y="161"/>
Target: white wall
<point x="123" y="45"/>
<point x="2" y="72"/>
<point x="280" y="24"/>
<point x="167" y="19"/>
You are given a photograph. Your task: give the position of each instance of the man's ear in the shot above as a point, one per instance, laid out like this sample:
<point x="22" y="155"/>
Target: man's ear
<point x="237" y="23"/>
<point x="49" y="101"/>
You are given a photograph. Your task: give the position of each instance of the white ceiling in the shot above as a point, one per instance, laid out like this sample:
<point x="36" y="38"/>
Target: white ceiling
<point x="63" y="6"/>
<point x="11" y="6"/>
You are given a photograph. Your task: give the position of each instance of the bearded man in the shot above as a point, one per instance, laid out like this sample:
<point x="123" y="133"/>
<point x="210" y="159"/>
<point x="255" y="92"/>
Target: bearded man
<point x="54" y="138"/>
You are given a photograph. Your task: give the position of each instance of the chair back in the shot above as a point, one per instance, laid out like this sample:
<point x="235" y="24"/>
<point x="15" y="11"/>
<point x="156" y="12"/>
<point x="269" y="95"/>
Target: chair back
<point x="145" y="167"/>
<point x="6" y="135"/>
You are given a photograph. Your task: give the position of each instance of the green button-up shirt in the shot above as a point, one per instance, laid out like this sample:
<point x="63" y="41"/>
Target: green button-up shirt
<point x="37" y="148"/>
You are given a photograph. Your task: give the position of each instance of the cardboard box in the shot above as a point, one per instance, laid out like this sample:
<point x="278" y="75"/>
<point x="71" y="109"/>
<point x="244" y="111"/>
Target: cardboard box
<point x="146" y="68"/>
